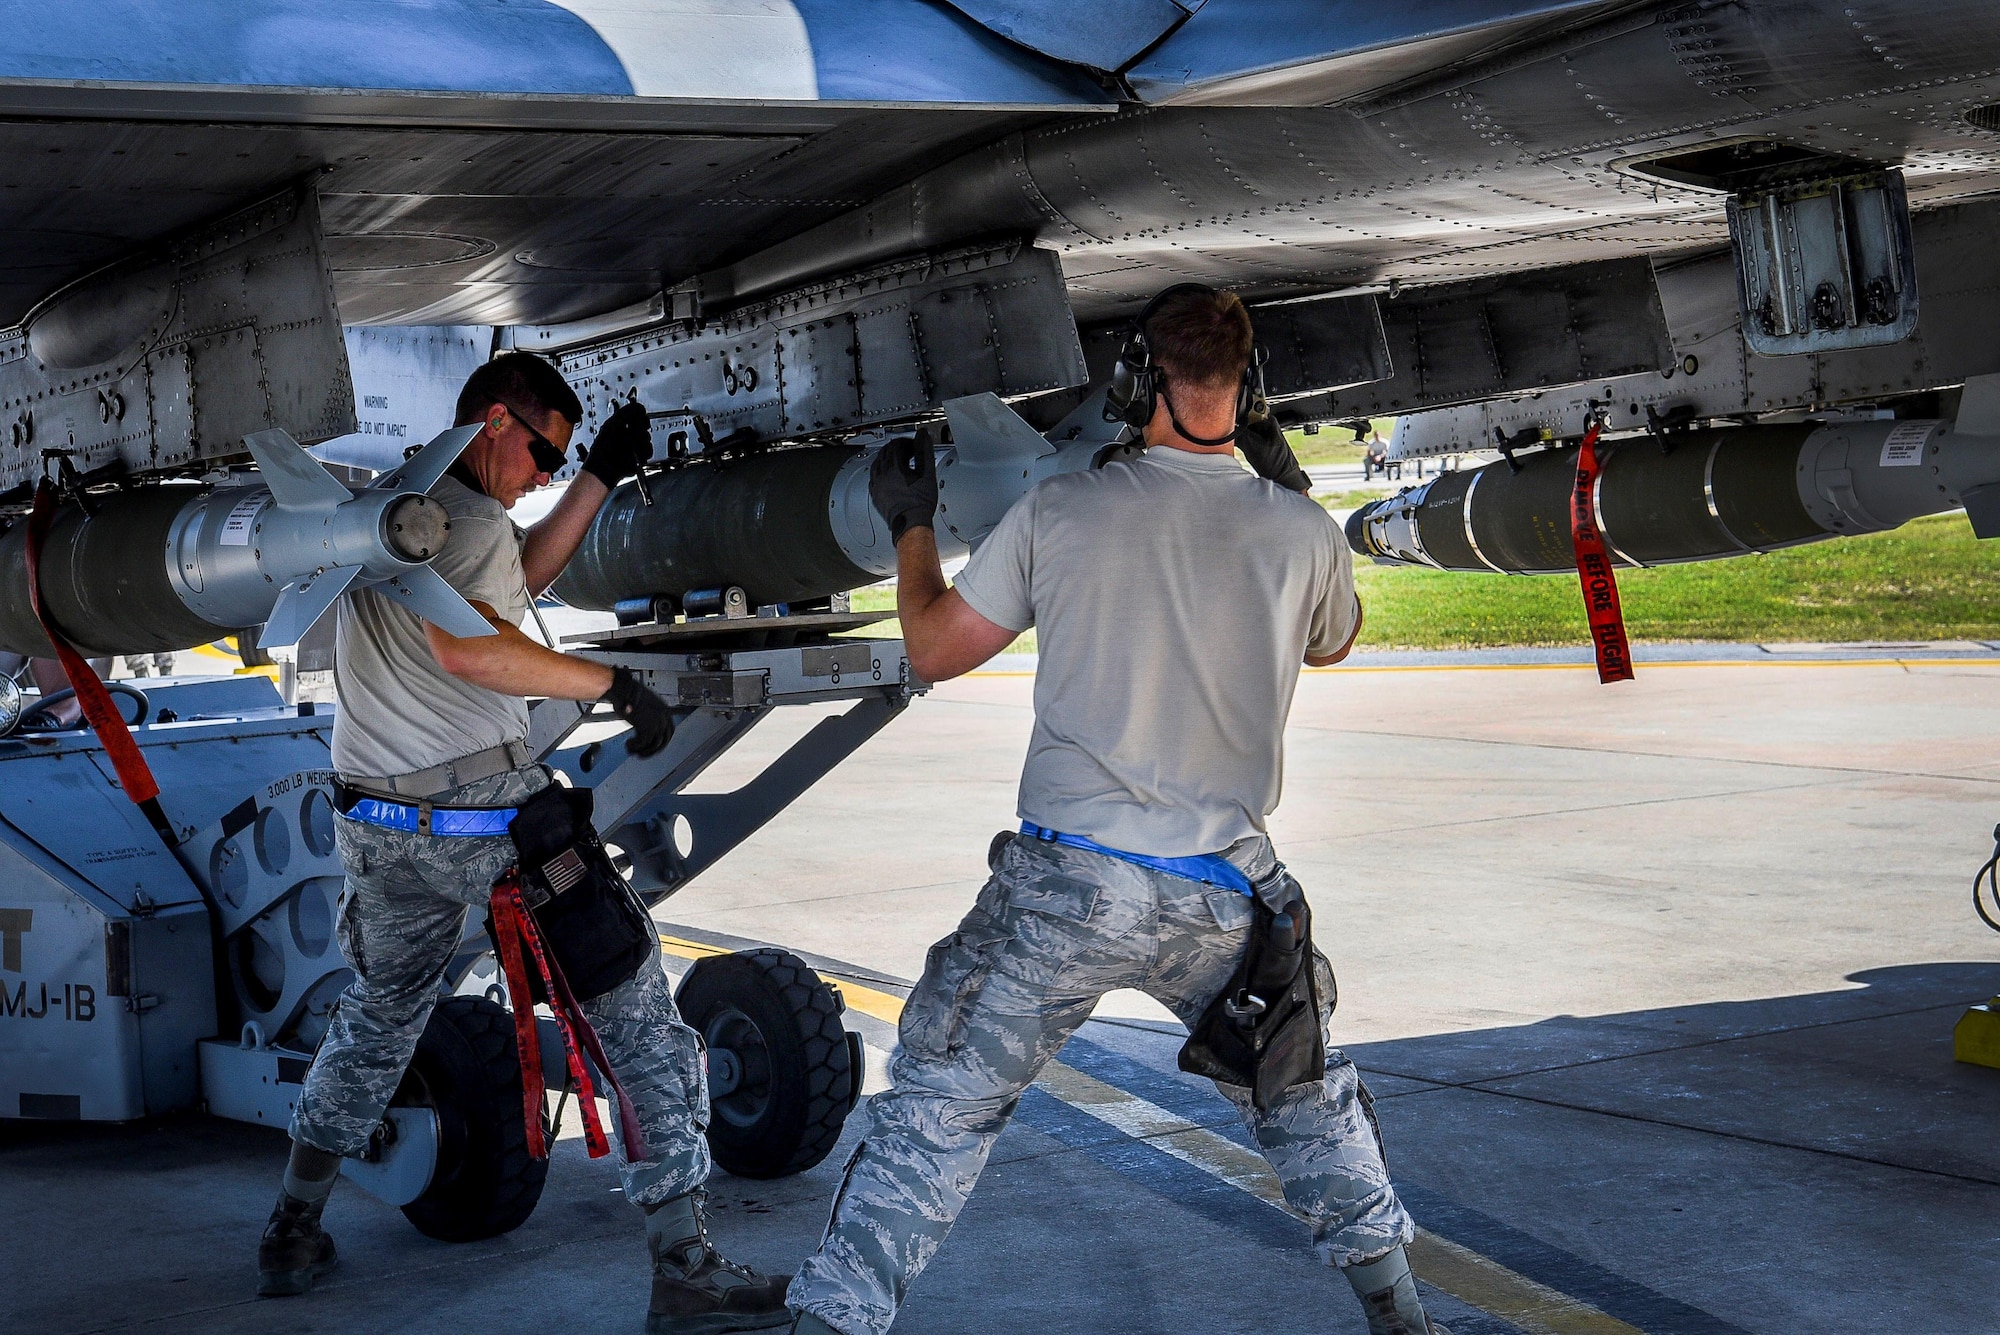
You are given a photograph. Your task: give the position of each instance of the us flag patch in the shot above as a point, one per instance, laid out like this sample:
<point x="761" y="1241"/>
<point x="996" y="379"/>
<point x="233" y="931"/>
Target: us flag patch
<point x="564" y="871"/>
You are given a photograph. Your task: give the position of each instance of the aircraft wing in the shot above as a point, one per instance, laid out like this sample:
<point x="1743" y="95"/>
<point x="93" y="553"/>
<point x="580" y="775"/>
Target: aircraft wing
<point x="489" y="161"/>
<point x="502" y="162"/>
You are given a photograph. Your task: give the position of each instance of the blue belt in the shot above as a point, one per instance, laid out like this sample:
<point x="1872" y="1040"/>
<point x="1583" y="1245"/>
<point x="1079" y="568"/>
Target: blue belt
<point x="1208" y="868"/>
<point x="409" y="817"/>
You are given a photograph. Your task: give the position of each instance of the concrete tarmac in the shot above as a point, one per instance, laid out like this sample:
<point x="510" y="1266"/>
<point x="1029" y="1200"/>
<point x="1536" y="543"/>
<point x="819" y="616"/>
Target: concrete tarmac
<point x="1654" y="985"/>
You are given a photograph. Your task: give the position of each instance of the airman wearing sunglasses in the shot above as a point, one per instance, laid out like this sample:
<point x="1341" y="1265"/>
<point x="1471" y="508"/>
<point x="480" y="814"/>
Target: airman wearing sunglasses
<point x="437" y="724"/>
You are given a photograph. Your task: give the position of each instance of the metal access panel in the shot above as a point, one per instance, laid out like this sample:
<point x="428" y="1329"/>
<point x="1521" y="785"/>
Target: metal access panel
<point x="168" y="358"/>
<point x="876" y="346"/>
<point x="406" y="382"/>
<point x="1715" y="374"/>
<point x="1825" y="265"/>
<point x="1461" y="342"/>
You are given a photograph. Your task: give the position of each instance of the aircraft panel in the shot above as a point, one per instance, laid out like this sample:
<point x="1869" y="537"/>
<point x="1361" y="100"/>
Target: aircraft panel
<point x="1307" y="52"/>
<point x="444" y="226"/>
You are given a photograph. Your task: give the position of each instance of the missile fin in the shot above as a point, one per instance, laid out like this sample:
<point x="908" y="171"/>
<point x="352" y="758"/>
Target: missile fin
<point x="425" y="592"/>
<point x="296" y="479"/>
<point x="303" y="602"/>
<point x="995" y="455"/>
<point x="421" y="470"/>
<point x="985" y="429"/>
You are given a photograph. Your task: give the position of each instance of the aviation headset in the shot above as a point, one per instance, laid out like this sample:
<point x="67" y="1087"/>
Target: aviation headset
<point x="1137" y="385"/>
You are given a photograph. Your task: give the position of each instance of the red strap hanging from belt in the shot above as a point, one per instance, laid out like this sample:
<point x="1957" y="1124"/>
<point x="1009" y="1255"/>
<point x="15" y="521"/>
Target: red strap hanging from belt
<point x="1593" y="570"/>
<point x="513" y="927"/>
<point x="135" y="776"/>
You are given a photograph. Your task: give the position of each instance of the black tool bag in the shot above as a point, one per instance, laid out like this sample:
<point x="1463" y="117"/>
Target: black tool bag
<point x="590" y="920"/>
<point x="1263" y="1030"/>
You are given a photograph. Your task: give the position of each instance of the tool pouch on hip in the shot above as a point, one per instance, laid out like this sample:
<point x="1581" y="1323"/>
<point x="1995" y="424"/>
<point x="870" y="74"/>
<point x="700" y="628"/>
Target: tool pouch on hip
<point x="1262" y="1031"/>
<point x="589" y="918"/>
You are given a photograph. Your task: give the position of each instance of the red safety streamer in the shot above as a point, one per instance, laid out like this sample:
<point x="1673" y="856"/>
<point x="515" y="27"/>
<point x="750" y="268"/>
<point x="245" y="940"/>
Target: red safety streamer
<point x="135" y="776"/>
<point x="1593" y="570"/>
<point x="514" y="927"/>
<point x="527" y="1033"/>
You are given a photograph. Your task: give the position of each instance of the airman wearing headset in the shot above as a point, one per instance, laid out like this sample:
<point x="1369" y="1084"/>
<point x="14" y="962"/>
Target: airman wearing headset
<point x="1175" y="596"/>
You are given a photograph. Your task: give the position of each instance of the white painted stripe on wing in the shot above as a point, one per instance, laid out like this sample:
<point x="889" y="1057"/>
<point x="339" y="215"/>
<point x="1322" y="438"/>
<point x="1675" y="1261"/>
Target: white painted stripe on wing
<point x="738" y="49"/>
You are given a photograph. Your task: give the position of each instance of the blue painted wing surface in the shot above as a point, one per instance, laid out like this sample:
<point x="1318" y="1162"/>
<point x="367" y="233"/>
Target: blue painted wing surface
<point x="892" y="51"/>
<point x="914" y="51"/>
<point x="1102" y="34"/>
<point x="444" y="45"/>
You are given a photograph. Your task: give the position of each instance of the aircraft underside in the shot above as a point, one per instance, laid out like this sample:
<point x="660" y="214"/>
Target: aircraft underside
<point x="1556" y="211"/>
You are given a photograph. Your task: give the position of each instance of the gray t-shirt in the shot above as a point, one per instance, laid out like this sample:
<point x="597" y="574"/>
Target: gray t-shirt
<point x="1174" y="598"/>
<point x="399" y="711"/>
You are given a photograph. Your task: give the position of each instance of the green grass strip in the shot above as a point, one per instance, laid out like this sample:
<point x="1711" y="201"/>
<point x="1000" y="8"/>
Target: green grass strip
<point x="1929" y="580"/>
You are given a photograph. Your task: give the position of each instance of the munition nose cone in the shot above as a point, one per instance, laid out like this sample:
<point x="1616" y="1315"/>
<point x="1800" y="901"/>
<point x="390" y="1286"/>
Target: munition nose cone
<point x="415" y="528"/>
<point x="1357" y="527"/>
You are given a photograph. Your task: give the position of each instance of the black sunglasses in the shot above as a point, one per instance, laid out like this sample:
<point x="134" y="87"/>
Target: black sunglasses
<point x="548" y="459"/>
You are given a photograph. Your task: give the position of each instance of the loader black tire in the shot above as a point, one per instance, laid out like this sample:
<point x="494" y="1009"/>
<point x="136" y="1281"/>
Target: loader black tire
<point x="467" y="1070"/>
<point x="781" y="1023"/>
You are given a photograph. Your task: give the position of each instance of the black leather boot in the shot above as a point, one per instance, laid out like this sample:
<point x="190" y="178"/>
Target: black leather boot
<point x="695" y="1290"/>
<point x="295" y="1250"/>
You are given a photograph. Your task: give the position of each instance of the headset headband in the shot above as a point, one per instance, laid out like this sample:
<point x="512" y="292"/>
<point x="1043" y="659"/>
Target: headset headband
<point x="1152" y="307"/>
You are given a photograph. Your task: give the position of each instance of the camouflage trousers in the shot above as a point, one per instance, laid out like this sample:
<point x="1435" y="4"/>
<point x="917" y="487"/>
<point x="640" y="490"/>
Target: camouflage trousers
<point x="1053" y="930"/>
<point x="401" y="917"/>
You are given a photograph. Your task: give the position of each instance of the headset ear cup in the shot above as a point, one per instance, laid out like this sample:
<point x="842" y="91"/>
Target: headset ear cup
<point x="1132" y="390"/>
<point x="1250" y="398"/>
<point x="1128" y="375"/>
<point x="1118" y="395"/>
<point x="1145" y="394"/>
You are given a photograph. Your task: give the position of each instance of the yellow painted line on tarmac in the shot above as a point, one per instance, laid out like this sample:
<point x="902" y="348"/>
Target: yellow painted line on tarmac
<point x="689" y="950"/>
<point x="883" y="1006"/>
<point x="1459" y="1271"/>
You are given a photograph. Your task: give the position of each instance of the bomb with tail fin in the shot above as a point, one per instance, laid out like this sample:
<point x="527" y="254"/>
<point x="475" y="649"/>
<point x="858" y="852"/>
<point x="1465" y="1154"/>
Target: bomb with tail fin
<point x="169" y="567"/>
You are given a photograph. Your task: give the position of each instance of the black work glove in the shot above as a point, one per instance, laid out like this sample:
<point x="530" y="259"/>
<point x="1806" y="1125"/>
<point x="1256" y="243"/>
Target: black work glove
<point x="652" y="723"/>
<point x="623" y="443"/>
<point x="903" y="484"/>
<point x="1263" y="443"/>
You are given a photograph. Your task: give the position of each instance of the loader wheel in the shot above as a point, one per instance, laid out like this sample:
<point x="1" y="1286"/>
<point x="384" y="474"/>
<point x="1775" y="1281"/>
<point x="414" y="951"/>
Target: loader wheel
<point x="782" y="1071"/>
<point x="467" y="1069"/>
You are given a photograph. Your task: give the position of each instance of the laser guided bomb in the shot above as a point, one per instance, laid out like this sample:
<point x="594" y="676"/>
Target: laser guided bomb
<point x="168" y="567"/>
<point x="1695" y="496"/>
